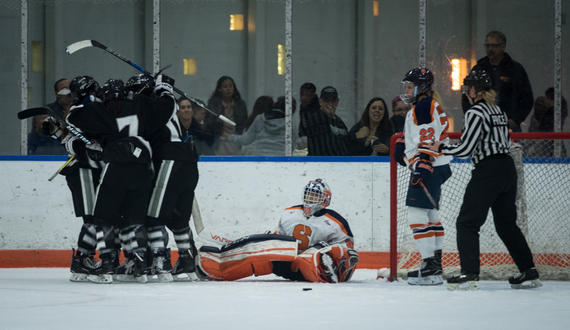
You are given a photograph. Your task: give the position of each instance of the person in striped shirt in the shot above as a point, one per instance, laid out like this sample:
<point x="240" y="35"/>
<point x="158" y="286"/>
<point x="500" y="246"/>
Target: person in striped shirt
<point x="493" y="185"/>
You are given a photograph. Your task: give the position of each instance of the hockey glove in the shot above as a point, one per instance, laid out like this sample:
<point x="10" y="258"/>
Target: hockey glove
<point x="399" y="151"/>
<point x="422" y="172"/>
<point x="94" y="151"/>
<point x="50" y="127"/>
<point x="163" y="85"/>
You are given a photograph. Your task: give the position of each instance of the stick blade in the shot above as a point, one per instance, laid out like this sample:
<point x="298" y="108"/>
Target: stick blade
<point x="78" y="46"/>
<point x="27" y="113"/>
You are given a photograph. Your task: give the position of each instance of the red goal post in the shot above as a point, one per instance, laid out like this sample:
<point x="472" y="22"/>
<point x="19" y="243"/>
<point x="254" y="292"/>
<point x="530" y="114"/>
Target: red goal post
<point x="543" y="211"/>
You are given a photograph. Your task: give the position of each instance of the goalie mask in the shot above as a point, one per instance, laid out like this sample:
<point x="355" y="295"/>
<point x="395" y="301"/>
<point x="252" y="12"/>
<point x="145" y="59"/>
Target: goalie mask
<point x="114" y="89"/>
<point x="480" y="79"/>
<point x="82" y="87"/>
<point x="419" y="81"/>
<point x="140" y="84"/>
<point x="316" y="196"/>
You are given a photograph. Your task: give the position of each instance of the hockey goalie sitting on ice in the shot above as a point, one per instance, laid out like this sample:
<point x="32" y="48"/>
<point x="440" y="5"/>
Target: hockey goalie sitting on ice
<point x="311" y="243"/>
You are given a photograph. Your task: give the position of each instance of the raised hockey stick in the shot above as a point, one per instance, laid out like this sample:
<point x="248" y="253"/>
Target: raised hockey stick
<point x="433" y="202"/>
<point x="27" y="113"/>
<point x="61" y="168"/>
<point x="92" y="43"/>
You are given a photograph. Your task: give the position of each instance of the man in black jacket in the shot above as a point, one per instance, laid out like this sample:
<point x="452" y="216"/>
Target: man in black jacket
<point x="509" y="80"/>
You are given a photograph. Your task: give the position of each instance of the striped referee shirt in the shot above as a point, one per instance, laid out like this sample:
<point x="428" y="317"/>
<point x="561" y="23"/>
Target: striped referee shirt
<point x="486" y="134"/>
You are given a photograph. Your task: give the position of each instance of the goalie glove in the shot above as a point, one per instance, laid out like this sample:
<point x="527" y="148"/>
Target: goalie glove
<point x="423" y="170"/>
<point x="163" y="85"/>
<point x="399" y="151"/>
<point x="50" y="127"/>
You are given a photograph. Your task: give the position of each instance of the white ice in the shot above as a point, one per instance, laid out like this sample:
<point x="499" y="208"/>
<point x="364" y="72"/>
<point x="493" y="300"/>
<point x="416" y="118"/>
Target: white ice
<point x="44" y="298"/>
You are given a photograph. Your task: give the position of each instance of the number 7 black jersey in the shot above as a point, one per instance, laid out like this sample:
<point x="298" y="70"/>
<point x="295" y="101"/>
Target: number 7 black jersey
<point x="123" y="127"/>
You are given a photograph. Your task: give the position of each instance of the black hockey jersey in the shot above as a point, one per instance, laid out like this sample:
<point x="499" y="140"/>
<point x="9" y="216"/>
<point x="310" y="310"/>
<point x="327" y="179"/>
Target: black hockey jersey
<point x="124" y="127"/>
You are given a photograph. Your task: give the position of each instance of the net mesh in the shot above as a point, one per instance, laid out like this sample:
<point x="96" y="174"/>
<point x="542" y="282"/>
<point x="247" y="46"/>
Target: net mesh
<point x="543" y="212"/>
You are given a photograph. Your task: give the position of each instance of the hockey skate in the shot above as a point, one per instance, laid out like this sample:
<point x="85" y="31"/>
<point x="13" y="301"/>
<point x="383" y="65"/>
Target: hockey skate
<point x="328" y="268"/>
<point x="125" y="271"/>
<point x="81" y="266"/>
<point x="185" y="267"/>
<point x="161" y="268"/>
<point x="429" y="273"/>
<point x="103" y="274"/>
<point x="463" y="282"/>
<point x="526" y="280"/>
<point x="140" y="269"/>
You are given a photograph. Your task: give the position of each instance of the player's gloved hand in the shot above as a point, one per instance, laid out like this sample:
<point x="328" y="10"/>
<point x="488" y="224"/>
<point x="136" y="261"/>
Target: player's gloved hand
<point x="50" y="127"/>
<point x="164" y="84"/>
<point x="423" y="171"/>
<point x="94" y="151"/>
<point x="399" y="151"/>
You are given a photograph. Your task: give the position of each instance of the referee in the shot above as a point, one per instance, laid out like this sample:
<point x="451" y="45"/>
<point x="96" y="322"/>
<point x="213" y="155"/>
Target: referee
<point x="493" y="185"/>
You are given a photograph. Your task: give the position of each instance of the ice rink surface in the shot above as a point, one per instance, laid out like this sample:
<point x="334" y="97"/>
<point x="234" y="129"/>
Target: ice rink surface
<point x="44" y="298"/>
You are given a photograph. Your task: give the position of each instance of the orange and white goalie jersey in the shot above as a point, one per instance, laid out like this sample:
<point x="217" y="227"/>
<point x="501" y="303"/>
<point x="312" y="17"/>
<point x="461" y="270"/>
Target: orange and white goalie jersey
<point x="426" y="122"/>
<point x="324" y="226"/>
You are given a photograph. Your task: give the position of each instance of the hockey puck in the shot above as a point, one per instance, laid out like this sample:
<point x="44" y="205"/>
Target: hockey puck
<point x="307" y="289"/>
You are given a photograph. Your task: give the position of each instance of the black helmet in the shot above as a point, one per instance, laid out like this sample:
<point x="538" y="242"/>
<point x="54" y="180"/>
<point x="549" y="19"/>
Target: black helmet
<point x="140" y="84"/>
<point x="422" y="78"/>
<point x="114" y="89"/>
<point x="83" y="86"/>
<point x="480" y="79"/>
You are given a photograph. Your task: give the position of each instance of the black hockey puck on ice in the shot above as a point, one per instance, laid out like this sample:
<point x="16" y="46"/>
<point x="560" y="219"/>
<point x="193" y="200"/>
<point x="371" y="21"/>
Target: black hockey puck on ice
<point x="307" y="289"/>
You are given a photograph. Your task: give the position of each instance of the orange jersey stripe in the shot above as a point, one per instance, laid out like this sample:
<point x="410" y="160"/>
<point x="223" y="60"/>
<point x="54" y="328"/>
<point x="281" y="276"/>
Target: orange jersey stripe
<point x="338" y="222"/>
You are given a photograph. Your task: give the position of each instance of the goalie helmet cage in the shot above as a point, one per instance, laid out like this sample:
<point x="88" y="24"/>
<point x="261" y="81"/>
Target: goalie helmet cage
<point x="543" y="211"/>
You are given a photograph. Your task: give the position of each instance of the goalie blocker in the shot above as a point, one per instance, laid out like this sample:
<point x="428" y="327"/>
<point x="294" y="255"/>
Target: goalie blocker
<point x="265" y="254"/>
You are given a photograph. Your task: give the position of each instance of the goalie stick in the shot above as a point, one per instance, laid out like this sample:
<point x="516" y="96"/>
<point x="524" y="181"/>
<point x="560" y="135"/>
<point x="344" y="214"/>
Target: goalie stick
<point x="199" y="227"/>
<point x="92" y="43"/>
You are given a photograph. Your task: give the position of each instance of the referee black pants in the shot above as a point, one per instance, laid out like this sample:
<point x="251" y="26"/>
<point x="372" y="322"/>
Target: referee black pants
<point x="493" y="185"/>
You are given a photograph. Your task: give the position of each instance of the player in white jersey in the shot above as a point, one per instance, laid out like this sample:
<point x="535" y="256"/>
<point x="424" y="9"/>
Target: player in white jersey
<point x="426" y="122"/>
<point x="311" y="243"/>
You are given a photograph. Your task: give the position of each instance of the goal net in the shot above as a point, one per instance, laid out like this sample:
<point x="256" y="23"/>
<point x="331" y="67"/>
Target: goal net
<point x="543" y="211"/>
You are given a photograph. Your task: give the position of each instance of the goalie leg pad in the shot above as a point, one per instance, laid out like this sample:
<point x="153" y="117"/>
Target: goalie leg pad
<point x="250" y="255"/>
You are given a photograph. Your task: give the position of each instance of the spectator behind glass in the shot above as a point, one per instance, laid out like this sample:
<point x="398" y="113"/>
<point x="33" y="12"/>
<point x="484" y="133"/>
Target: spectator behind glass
<point x="268" y="131"/>
<point x="190" y="116"/>
<point x="63" y="99"/>
<point x="40" y="144"/>
<point x="309" y="105"/>
<point x="226" y="100"/>
<point x="509" y="80"/>
<point x="371" y="135"/>
<point x="261" y="106"/>
<point x="326" y="132"/>
<point x="399" y="110"/>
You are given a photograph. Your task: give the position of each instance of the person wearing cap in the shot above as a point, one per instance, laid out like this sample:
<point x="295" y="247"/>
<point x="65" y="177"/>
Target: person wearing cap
<point x="326" y="132"/>
<point x="63" y="97"/>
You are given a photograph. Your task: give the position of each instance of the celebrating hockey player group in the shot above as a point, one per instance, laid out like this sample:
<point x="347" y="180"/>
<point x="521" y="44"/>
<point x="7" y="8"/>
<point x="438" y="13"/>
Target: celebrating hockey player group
<point x="132" y="176"/>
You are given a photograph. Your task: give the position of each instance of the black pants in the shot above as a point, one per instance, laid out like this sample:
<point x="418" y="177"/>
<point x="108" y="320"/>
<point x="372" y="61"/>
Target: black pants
<point x="493" y="185"/>
<point x="173" y="194"/>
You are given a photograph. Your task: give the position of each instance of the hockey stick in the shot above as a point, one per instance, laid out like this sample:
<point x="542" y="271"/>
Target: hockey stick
<point x="433" y="202"/>
<point x="199" y="227"/>
<point x="61" y="168"/>
<point x="92" y="43"/>
<point x="27" y="113"/>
